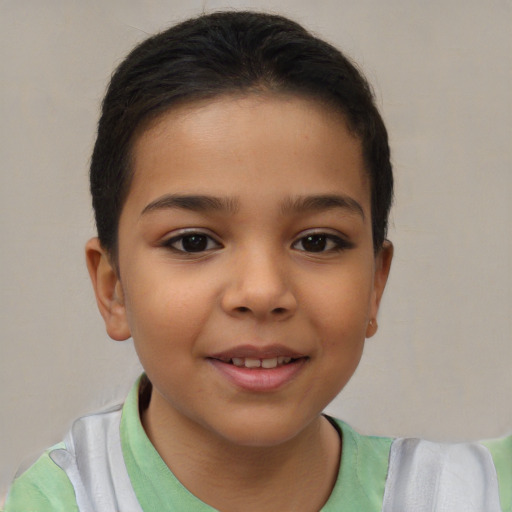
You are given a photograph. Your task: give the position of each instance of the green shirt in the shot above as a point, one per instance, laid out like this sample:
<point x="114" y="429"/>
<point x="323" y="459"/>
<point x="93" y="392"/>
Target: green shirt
<point x="45" y="487"/>
<point x="360" y="484"/>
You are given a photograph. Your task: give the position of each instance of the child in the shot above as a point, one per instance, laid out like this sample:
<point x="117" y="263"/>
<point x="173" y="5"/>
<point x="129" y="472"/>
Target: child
<point x="241" y="182"/>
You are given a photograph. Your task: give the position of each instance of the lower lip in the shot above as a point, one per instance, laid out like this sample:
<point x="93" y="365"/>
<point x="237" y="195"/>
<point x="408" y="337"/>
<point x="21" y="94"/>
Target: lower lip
<point x="259" y="380"/>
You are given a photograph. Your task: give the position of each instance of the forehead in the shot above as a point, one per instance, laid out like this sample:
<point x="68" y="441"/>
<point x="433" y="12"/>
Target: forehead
<point x="257" y="142"/>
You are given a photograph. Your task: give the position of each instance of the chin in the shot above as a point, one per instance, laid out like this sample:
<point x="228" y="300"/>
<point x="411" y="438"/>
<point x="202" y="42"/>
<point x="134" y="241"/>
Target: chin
<point x="261" y="431"/>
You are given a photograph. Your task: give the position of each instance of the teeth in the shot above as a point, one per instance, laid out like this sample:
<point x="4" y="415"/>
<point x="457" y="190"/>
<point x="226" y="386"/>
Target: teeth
<point x="268" y="363"/>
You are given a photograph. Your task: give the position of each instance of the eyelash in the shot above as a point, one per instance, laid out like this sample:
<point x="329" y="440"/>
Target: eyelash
<point x="328" y="243"/>
<point x="325" y="242"/>
<point x="201" y="239"/>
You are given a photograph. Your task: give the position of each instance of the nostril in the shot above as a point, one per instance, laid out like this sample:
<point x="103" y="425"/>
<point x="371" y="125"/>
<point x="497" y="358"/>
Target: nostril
<point x="279" y="311"/>
<point x="242" y="309"/>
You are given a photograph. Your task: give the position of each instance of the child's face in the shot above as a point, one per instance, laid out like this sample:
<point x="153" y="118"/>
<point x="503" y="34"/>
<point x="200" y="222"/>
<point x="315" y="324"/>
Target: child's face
<point x="246" y="238"/>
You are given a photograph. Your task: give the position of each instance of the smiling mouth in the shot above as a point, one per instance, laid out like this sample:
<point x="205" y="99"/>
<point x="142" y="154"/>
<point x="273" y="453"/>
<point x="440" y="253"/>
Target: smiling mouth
<point x="258" y="371"/>
<point x="262" y="358"/>
<point x="267" y="363"/>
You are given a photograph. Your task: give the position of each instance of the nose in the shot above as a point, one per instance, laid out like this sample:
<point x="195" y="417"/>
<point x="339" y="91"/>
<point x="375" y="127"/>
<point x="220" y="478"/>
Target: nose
<point x="259" y="287"/>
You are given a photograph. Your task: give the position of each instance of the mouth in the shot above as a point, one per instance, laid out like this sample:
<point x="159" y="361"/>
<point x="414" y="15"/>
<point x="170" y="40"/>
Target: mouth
<point x="266" y="363"/>
<point x="250" y="356"/>
<point x="259" y="370"/>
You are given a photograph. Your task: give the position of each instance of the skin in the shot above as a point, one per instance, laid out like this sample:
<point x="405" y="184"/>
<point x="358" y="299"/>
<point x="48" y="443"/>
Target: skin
<point x="258" y="283"/>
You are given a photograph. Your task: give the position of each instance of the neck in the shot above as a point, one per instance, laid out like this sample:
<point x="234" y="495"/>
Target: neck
<point x="297" y="474"/>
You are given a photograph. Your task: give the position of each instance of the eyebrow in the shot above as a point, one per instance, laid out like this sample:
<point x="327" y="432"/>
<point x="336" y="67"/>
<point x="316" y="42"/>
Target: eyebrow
<point x="323" y="202"/>
<point x="300" y="204"/>
<point x="196" y="203"/>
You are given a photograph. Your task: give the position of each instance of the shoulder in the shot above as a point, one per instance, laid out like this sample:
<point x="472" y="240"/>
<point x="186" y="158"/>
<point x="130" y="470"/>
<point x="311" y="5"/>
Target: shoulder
<point x="365" y="447"/>
<point x="442" y="476"/>
<point x="55" y="481"/>
<point x="501" y="452"/>
<point x="413" y="474"/>
<point x="44" y="487"/>
<point x="362" y="473"/>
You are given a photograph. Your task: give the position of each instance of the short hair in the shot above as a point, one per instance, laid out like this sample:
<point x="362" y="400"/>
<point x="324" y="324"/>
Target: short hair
<point x="228" y="53"/>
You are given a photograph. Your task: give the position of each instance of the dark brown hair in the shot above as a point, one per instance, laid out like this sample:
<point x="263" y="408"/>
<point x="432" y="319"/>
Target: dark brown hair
<point x="225" y="53"/>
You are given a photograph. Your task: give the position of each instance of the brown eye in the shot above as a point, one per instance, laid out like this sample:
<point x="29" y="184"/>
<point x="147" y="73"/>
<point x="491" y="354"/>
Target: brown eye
<point x="192" y="243"/>
<point x="321" y="242"/>
<point x="314" y="243"/>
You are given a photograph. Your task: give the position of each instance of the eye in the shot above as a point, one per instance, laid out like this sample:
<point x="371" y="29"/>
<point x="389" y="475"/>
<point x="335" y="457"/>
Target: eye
<point x="321" y="242"/>
<point x="192" y="243"/>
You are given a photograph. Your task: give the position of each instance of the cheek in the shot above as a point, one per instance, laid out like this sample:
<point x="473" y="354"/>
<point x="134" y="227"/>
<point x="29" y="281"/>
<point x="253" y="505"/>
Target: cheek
<point x="341" y="304"/>
<point x="164" y="308"/>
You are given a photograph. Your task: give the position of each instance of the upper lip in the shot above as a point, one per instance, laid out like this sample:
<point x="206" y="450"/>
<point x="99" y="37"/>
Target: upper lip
<point x="255" y="352"/>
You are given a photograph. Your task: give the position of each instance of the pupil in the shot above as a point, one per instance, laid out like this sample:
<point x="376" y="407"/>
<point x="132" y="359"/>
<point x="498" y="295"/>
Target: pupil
<point x="194" y="243"/>
<point x="314" y="243"/>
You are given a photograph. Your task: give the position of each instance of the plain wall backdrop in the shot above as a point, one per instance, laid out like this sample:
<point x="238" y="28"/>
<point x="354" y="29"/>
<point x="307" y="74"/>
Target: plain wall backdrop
<point x="439" y="366"/>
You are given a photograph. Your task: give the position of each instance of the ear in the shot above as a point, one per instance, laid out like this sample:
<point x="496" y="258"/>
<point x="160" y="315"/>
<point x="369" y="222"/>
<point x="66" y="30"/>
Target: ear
<point x="382" y="266"/>
<point x="108" y="290"/>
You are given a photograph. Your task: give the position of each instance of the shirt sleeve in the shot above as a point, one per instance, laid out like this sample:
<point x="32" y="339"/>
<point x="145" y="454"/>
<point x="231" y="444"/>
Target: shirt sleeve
<point x="501" y="451"/>
<point x="44" y="487"/>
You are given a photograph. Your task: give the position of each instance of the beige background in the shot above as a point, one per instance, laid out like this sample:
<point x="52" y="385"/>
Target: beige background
<point x="442" y="71"/>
